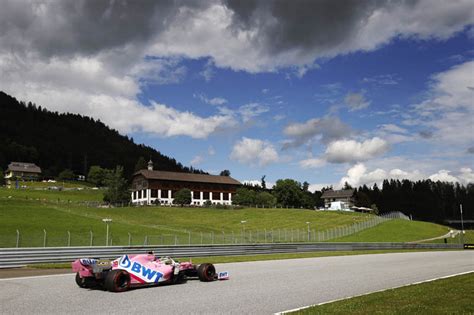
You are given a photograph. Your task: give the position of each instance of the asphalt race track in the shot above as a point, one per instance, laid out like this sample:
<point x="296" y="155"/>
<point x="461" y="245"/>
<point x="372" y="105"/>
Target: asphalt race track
<point x="254" y="288"/>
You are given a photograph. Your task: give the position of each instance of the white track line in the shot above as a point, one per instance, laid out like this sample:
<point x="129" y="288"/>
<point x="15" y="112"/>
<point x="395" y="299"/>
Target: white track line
<point x="354" y="296"/>
<point x="36" y="277"/>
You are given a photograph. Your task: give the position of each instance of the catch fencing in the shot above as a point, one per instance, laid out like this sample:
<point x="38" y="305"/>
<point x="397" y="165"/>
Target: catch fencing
<point x="16" y="257"/>
<point x="91" y="238"/>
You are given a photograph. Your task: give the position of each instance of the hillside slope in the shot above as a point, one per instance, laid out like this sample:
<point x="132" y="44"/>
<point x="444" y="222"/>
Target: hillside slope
<point x="58" y="141"/>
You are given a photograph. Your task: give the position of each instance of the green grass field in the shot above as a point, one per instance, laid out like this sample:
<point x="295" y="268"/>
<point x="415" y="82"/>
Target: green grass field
<point x="445" y="296"/>
<point x="33" y="210"/>
<point x="397" y="231"/>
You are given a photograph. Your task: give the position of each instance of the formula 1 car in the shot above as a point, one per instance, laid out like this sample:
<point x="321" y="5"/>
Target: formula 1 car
<point x="130" y="271"/>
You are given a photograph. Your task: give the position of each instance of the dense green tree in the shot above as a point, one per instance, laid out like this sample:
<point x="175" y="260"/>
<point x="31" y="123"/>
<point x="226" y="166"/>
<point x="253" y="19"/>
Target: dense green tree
<point x="29" y="133"/>
<point x="98" y="175"/>
<point x="347" y="186"/>
<point x="117" y="187"/>
<point x="362" y="199"/>
<point x="141" y="164"/>
<point x="265" y="199"/>
<point x="244" y="197"/>
<point x="263" y="183"/>
<point x="225" y="173"/>
<point x="182" y="197"/>
<point x="288" y="193"/>
<point x="67" y="174"/>
<point x="308" y="200"/>
<point x="305" y="186"/>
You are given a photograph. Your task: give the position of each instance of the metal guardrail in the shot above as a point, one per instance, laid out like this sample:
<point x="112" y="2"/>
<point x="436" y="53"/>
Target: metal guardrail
<point x="17" y="257"/>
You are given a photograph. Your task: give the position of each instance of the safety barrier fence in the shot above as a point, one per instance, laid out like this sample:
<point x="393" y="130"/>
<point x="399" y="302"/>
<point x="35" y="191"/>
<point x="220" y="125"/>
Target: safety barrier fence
<point x="16" y="257"/>
<point x="47" y="238"/>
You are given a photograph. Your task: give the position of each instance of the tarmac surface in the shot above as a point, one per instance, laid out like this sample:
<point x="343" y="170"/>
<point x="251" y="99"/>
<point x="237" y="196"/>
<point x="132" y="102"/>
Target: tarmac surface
<point x="263" y="287"/>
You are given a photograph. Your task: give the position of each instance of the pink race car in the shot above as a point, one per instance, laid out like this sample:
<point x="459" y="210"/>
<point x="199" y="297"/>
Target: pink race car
<point x="130" y="271"/>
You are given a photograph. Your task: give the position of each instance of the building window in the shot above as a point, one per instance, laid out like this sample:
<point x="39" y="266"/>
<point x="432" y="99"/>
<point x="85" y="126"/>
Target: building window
<point x="164" y="194"/>
<point x="154" y="193"/>
<point x="205" y="195"/>
<point x="196" y="195"/>
<point x="216" y="196"/>
<point x="173" y="193"/>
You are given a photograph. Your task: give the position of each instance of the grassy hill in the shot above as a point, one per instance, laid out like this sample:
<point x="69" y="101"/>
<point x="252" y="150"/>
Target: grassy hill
<point x="35" y="209"/>
<point x="397" y="231"/>
<point x="30" y="133"/>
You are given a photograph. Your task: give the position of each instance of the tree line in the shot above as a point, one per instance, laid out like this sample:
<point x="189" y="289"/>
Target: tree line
<point x="424" y="200"/>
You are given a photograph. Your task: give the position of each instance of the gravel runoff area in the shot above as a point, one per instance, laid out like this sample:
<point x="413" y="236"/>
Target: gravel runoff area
<point x="262" y="287"/>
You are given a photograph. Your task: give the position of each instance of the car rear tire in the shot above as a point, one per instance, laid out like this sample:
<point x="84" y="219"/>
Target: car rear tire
<point x="117" y="281"/>
<point x="206" y="272"/>
<point x="87" y="282"/>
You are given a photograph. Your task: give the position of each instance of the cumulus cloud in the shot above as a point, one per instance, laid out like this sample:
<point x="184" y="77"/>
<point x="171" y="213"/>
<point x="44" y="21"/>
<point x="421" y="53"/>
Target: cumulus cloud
<point x="443" y="176"/>
<point x="356" y="101"/>
<point x="349" y="151"/>
<point x="359" y="175"/>
<point x="254" y="152"/>
<point x="325" y="129"/>
<point x="93" y="57"/>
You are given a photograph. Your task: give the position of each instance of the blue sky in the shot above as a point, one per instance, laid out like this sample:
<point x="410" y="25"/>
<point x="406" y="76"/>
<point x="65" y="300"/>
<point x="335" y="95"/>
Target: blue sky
<point x="321" y="92"/>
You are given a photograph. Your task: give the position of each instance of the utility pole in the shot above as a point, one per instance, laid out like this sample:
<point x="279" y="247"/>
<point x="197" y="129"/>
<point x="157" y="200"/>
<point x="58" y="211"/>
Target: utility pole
<point x="107" y="221"/>
<point x="462" y="224"/>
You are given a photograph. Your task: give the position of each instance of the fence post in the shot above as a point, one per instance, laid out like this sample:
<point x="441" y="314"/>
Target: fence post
<point x="44" y="238"/>
<point x="17" y="238"/>
<point x="68" y="239"/>
<point x="201" y="238"/>
<point x="129" y="239"/>
<point x="92" y="237"/>
<point x="146" y="240"/>
<point x="175" y="240"/>
<point x="189" y="238"/>
<point x="265" y="235"/>
<point x="212" y="237"/>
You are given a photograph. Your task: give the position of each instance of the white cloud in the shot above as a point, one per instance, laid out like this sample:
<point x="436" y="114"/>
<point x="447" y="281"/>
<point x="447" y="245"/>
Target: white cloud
<point x="382" y="79"/>
<point x="448" y="111"/>
<point x="252" y="110"/>
<point x="358" y="175"/>
<point x="211" y="151"/>
<point x="279" y="117"/>
<point x="394" y="134"/>
<point x="254" y="152"/>
<point x="312" y="163"/>
<point x="348" y="151"/>
<point x="466" y="175"/>
<point x="208" y="72"/>
<point x="356" y="101"/>
<point x="258" y="182"/>
<point x="325" y="129"/>
<point x="211" y="101"/>
<point x="443" y="176"/>
<point x="198" y="159"/>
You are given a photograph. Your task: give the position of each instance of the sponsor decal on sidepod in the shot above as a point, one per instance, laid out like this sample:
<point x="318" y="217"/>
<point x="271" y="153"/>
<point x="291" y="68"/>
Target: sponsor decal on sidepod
<point x="138" y="270"/>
